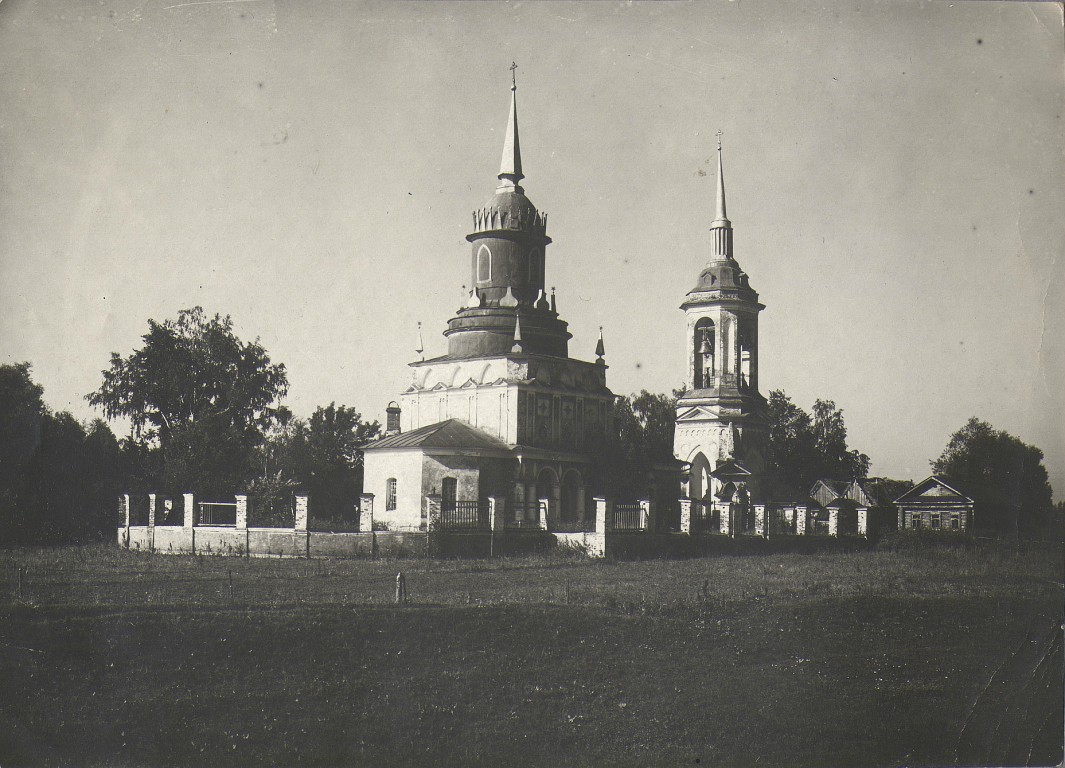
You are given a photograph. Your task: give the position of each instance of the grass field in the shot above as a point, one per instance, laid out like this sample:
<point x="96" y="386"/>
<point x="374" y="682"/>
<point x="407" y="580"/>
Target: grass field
<point x="923" y="657"/>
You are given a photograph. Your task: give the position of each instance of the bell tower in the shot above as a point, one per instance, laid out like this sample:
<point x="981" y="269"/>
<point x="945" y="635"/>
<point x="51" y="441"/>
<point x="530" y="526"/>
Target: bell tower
<point x="720" y="426"/>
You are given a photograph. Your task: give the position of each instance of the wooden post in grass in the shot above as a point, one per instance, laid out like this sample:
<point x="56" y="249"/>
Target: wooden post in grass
<point x="401" y="589"/>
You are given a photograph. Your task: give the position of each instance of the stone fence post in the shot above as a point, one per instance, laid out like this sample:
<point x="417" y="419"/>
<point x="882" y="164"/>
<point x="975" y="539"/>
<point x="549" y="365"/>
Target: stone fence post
<point x="761" y="527"/>
<point x="647" y="515"/>
<point x="544" y="510"/>
<point x="833" y="521"/>
<point x="800" y="521"/>
<point x="300" y="524"/>
<point x="604" y="521"/>
<point x="432" y="512"/>
<point x="123" y="509"/>
<point x="151" y="522"/>
<point x="189" y="504"/>
<point x="725" y="509"/>
<point x="604" y="514"/>
<point x="863" y="521"/>
<point x="366" y="513"/>
<point x="686" y="516"/>
<point x="496" y="510"/>
<point x="242" y="512"/>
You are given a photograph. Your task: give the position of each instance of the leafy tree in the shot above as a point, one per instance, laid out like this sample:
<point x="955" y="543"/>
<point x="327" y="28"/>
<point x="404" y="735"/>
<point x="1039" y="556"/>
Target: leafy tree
<point x="804" y="448"/>
<point x="1004" y="476"/>
<point x="200" y="396"/>
<point x="58" y="481"/>
<point x="322" y="457"/>
<point x="642" y="439"/>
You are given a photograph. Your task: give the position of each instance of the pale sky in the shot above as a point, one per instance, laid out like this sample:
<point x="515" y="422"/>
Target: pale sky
<point x="895" y="177"/>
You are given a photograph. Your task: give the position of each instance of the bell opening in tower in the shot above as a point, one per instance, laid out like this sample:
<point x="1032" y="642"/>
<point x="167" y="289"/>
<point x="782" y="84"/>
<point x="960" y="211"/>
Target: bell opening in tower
<point x="704" y="354"/>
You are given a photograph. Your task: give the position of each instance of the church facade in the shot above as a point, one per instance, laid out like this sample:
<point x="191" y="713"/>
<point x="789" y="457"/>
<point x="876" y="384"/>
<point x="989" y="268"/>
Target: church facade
<point x="506" y="413"/>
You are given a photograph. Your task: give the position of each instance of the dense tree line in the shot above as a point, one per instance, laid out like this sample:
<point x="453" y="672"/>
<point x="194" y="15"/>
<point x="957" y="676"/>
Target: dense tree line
<point x="805" y="447"/>
<point x="59" y="479"/>
<point x="204" y="416"/>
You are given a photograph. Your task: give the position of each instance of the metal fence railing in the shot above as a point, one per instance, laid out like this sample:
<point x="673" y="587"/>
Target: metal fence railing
<point x="704" y="519"/>
<point x="217" y="513"/>
<point x="627" y="517"/>
<point x="465" y="515"/>
<point x="525" y="514"/>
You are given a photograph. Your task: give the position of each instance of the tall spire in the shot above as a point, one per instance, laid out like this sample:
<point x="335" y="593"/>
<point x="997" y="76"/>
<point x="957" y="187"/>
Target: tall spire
<point x="720" y="217"/>
<point x="510" y="166"/>
<point x="720" y="227"/>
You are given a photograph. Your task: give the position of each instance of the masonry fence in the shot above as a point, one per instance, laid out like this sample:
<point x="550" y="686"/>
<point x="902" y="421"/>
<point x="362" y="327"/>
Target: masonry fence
<point x="178" y="523"/>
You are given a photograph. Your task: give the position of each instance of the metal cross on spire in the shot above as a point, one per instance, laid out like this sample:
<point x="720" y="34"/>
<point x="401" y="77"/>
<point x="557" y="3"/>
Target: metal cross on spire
<point x="513" y="76"/>
<point x="718" y="139"/>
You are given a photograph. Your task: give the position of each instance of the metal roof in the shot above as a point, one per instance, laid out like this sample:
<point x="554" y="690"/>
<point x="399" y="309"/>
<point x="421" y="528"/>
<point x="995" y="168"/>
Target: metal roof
<point x="445" y="434"/>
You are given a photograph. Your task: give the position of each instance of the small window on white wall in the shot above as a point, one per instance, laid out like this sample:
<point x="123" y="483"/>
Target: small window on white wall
<point x="390" y="494"/>
<point x="484" y="264"/>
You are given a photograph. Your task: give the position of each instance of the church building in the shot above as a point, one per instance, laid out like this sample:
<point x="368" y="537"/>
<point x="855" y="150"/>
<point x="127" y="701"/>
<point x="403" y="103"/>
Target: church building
<point x="721" y="429"/>
<point x="506" y="412"/>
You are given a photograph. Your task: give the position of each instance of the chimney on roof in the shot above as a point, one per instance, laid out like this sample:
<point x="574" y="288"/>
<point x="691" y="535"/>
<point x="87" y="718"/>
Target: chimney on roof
<point x="392" y="419"/>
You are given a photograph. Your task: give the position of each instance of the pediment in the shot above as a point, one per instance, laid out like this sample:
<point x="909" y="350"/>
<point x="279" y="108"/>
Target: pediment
<point x="933" y="489"/>
<point x="697" y="413"/>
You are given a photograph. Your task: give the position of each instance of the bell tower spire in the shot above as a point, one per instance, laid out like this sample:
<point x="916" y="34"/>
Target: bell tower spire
<point x="720" y="227"/>
<point x="510" y="165"/>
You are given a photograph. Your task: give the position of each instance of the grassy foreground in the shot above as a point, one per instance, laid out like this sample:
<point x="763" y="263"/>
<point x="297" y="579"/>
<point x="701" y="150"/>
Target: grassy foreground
<point x="930" y="657"/>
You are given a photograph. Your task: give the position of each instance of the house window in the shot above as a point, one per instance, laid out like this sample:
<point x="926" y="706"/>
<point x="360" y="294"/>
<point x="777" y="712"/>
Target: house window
<point x="955" y="523"/>
<point x="935" y="520"/>
<point x="390" y="494"/>
<point x="915" y="520"/>
<point x="484" y="264"/>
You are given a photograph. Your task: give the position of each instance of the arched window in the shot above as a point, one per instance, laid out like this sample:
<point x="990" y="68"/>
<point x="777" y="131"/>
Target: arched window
<point x="703" y="353"/>
<point x="534" y="268"/>
<point x="484" y="264"/>
<point x="390" y="494"/>
<point x="746" y="351"/>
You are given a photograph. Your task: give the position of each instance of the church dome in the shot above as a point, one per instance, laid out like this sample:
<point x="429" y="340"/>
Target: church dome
<point x="509" y="208"/>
